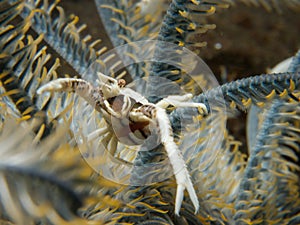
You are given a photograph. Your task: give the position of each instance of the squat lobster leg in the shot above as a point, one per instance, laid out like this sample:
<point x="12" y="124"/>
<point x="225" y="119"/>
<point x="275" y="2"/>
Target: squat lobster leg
<point x="83" y="88"/>
<point x="181" y="101"/>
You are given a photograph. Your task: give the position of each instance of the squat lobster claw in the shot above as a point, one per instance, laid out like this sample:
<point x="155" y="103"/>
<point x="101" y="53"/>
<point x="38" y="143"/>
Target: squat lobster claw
<point x="140" y="114"/>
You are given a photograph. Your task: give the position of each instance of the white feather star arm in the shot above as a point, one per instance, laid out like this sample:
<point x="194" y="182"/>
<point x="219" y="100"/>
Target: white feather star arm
<point x="181" y="173"/>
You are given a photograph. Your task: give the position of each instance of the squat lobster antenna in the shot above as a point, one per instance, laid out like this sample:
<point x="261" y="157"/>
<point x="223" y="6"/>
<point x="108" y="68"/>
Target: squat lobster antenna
<point x="108" y="81"/>
<point x="110" y="86"/>
<point x="103" y="79"/>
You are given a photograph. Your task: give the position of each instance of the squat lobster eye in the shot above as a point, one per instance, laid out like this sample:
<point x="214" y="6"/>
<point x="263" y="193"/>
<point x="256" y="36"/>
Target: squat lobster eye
<point x="121" y="83"/>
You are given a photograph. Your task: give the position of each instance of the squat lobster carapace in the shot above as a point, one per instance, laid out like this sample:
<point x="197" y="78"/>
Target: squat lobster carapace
<point x="117" y="102"/>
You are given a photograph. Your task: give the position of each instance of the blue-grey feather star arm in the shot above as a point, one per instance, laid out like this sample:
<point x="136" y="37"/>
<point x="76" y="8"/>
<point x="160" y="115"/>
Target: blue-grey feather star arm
<point x="113" y="100"/>
<point x="180" y="23"/>
<point x="36" y="185"/>
<point x="61" y="33"/>
<point x="241" y="94"/>
<point x="23" y="68"/>
<point x="272" y="175"/>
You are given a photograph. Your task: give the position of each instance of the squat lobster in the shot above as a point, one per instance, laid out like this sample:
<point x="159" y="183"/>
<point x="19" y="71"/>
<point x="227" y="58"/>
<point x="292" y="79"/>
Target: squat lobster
<point x="117" y="102"/>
